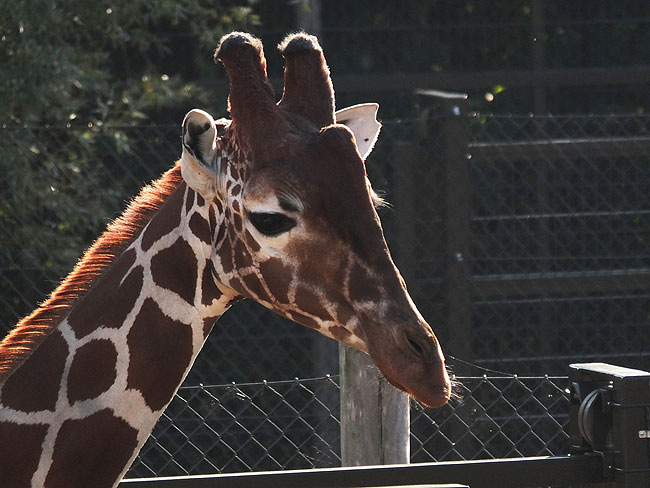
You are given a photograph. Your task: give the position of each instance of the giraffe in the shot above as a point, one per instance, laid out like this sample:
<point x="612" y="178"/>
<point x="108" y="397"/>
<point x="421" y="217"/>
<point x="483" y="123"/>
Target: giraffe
<point x="272" y="205"/>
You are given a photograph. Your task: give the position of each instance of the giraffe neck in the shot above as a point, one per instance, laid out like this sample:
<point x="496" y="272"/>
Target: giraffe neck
<point x="77" y="410"/>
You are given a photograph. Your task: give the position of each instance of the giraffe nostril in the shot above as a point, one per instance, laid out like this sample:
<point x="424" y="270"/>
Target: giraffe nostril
<point x="414" y="345"/>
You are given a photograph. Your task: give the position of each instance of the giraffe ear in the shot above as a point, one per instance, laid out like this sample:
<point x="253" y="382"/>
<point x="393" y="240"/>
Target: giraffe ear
<point x="200" y="161"/>
<point x="362" y="121"/>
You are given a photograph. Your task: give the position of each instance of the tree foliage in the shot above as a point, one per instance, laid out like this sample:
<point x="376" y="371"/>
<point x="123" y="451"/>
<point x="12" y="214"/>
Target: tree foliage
<point x="110" y="61"/>
<point x="76" y="76"/>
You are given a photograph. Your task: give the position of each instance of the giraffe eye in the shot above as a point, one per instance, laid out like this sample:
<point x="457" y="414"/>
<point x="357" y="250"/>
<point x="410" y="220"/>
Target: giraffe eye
<point x="271" y="224"/>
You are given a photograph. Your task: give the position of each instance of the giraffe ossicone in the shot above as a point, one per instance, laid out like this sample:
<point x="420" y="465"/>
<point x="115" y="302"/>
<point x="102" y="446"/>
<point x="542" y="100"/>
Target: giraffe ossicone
<point x="272" y="205"/>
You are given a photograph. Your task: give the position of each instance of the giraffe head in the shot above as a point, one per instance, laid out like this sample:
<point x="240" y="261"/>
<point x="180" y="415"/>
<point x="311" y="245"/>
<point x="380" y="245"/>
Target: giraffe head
<point x="293" y="222"/>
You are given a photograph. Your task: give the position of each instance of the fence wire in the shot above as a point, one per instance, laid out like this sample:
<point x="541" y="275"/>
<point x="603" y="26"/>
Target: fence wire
<point x="535" y="254"/>
<point x="295" y="424"/>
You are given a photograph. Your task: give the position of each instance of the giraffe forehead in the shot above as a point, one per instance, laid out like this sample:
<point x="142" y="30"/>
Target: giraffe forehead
<point x="320" y="174"/>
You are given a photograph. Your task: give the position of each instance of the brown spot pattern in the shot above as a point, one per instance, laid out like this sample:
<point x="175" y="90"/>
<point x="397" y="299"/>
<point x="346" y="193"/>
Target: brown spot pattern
<point x="108" y="302"/>
<point x="238" y="222"/>
<point x="236" y="284"/>
<point x="164" y="223"/>
<point x="209" y="289"/>
<point x="252" y="243"/>
<point x="307" y="301"/>
<point x="34" y="386"/>
<point x="304" y="320"/>
<point x="339" y="333"/>
<point x="220" y="235"/>
<point x="242" y="256"/>
<point x="344" y="314"/>
<point x="189" y="202"/>
<point x="161" y="351"/>
<point x="20" y="452"/>
<point x="255" y="286"/>
<point x="91" y="451"/>
<point x="225" y="252"/>
<point x="175" y="269"/>
<point x="208" y="323"/>
<point x="362" y="286"/>
<point x="277" y="277"/>
<point x="200" y="228"/>
<point x="93" y="370"/>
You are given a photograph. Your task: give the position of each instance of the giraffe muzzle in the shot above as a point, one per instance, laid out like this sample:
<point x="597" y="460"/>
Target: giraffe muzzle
<point x="410" y="358"/>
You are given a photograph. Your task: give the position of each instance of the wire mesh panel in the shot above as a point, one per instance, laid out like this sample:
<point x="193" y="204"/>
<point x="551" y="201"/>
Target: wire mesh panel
<point x="524" y="239"/>
<point x="560" y="240"/>
<point x="295" y="424"/>
<point x="546" y="248"/>
<point x="494" y="417"/>
<point x="60" y="186"/>
<point x="245" y="427"/>
<point x="552" y="237"/>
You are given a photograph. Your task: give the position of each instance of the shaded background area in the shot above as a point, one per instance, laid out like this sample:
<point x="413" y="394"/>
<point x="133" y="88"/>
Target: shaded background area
<point x="520" y="217"/>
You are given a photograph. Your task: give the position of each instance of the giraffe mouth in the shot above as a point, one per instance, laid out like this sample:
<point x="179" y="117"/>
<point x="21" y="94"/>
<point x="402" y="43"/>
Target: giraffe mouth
<point x="435" y="395"/>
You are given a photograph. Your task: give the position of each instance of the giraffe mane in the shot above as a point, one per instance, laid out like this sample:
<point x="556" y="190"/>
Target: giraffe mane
<point x="33" y="329"/>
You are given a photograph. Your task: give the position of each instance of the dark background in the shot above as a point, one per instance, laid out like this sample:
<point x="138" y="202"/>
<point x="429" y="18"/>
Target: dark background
<point x="554" y="256"/>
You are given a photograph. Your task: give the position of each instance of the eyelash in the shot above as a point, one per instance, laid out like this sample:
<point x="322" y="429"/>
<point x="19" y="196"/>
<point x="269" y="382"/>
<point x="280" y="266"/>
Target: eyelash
<point x="271" y="224"/>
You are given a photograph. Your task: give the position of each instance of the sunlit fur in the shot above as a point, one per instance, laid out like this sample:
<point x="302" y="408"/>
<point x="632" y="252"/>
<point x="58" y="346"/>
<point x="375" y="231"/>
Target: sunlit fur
<point x="34" y="328"/>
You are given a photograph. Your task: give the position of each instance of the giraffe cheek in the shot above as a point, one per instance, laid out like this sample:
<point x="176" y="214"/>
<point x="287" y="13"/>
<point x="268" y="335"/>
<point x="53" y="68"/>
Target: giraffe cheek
<point x="277" y="277"/>
<point x="362" y="286"/>
<point x="255" y="287"/>
<point x="312" y="304"/>
<point x="242" y="256"/>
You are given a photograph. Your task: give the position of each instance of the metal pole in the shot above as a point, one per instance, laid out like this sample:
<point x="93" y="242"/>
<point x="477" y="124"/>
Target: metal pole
<point x="448" y="150"/>
<point x="538" y="33"/>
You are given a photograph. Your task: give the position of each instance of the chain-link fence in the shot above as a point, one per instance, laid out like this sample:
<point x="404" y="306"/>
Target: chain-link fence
<point x="524" y="241"/>
<point x="295" y="424"/>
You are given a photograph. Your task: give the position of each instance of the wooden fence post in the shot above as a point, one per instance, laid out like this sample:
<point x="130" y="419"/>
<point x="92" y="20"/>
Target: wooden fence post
<point x="374" y="415"/>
